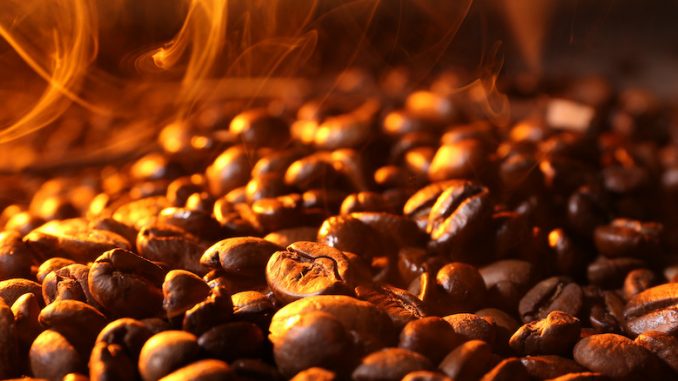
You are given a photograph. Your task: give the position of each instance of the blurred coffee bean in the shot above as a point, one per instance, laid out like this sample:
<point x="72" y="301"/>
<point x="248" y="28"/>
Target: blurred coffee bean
<point x="390" y="364"/>
<point x="229" y="171"/>
<point x="276" y="162"/>
<point x="569" y="257"/>
<point x="12" y="289"/>
<point x="418" y="160"/>
<point x="258" y="128"/>
<point x="364" y="202"/>
<point x="50" y="265"/>
<point x="114" y="226"/>
<point x="611" y="272"/>
<point x="507" y="369"/>
<point x="242" y="256"/>
<point x="430" y="107"/>
<point x="153" y="166"/>
<point x="23" y="223"/>
<point x="551" y="294"/>
<point x="507" y="281"/>
<point x="9" y="354"/>
<point x="467" y="159"/>
<point x="556" y="334"/>
<point x="614" y="356"/>
<point x="266" y="186"/>
<point x="432" y="337"/>
<point x="202" y="370"/>
<point x="587" y="208"/>
<point x="180" y="189"/>
<point x="255" y="370"/>
<point x="347" y="233"/>
<point x="469" y="361"/>
<point x="173" y="246"/>
<point x="286" y="237"/>
<point x="628" y="238"/>
<point x="140" y="213"/>
<point x="637" y="281"/>
<point x="199" y="224"/>
<point x="52" y="356"/>
<point x="315" y="374"/>
<point x="15" y="257"/>
<point x="550" y="366"/>
<point x="125" y="284"/>
<point x="312" y="171"/>
<point x="663" y="345"/>
<point x="26" y="310"/>
<point x="166" y="352"/>
<point x="201" y="202"/>
<point x="398" y="229"/>
<point x="655" y="309"/>
<point x="472" y="327"/>
<point x="232" y="341"/>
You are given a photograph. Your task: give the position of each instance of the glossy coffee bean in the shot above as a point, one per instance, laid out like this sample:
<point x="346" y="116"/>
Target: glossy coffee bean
<point x="462" y="285"/>
<point x="347" y="233"/>
<point x="286" y="237"/>
<point x="69" y="282"/>
<point x="614" y="356"/>
<point x="426" y="375"/>
<point x="401" y="306"/>
<point x="628" y="238"/>
<point x="172" y="246"/>
<point x="551" y="294"/>
<point x="229" y="170"/>
<point x="52" y="356"/>
<point x="12" y="289"/>
<point x="9" y="355"/>
<point x="390" y="364"/>
<point x="258" y="128"/>
<point x="610" y="272"/>
<point x="432" y="337"/>
<point x="50" y="265"/>
<point x="244" y="256"/>
<point x="507" y="369"/>
<point x="663" y="345"/>
<point x="507" y="281"/>
<point x="216" y="308"/>
<point x="202" y="370"/>
<point x="315" y="374"/>
<point x="550" y="366"/>
<point x="472" y="327"/>
<point x="15" y="257"/>
<point x="166" y="352"/>
<point x="181" y="291"/>
<point x="637" y="281"/>
<point x="655" y="309"/>
<point x="468" y="361"/>
<point x="141" y="212"/>
<point x="78" y="322"/>
<point x="231" y="341"/>
<point x="553" y="335"/>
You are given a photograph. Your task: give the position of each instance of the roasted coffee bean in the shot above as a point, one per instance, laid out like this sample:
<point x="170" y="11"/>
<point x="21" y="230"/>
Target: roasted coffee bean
<point x="201" y="202"/>
<point x="125" y="334"/>
<point x="258" y="128"/>
<point x="78" y="322"/>
<point x="347" y="233"/>
<point x="655" y="309"/>
<point x="215" y="309"/>
<point x="397" y="229"/>
<point x="458" y="215"/>
<point x="411" y="263"/>
<point x="390" y="364"/>
<point x="547" y="367"/>
<point x="315" y="374"/>
<point x="199" y="224"/>
<point x="663" y="345"/>
<point x="628" y="238"/>
<point x="508" y="369"/>
<point x="614" y="356"/>
<point x="8" y="342"/>
<point x="72" y="239"/>
<point x="243" y="256"/>
<point x="26" y="311"/>
<point x="12" y="289"/>
<point x="343" y="131"/>
<point x="266" y="186"/>
<point x="469" y="361"/>
<point x="605" y="310"/>
<point x="637" y="281"/>
<point x="140" y="213"/>
<point x="254" y="307"/>
<point x="50" y="265"/>
<point x="462" y="284"/>
<point x="114" y="226"/>
<point x="125" y="284"/>
<point x="401" y="306"/>
<point x="364" y="202"/>
<point x="229" y="170"/>
<point x="466" y="158"/>
<point x="430" y="107"/>
<point x="504" y="326"/>
<point x="507" y="281"/>
<point x="202" y="370"/>
<point x="276" y="162"/>
<point x="52" y="356"/>
<point x="286" y="237"/>
<point x="518" y="175"/>
<point x="180" y="189"/>
<point x="421" y="202"/>
<point x="426" y="375"/>
<point x="231" y="220"/>
<point x="551" y="294"/>
<point x="432" y="337"/>
<point x="15" y="257"/>
<point x="69" y="282"/>
<point x="308" y="268"/>
<point x="556" y="334"/>
<point x="153" y="166"/>
<point x="277" y="213"/>
<point x="181" y="291"/>
<point x="331" y="331"/>
<point x="569" y="257"/>
<point x="472" y="327"/>
<point x="610" y="272"/>
<point x="312" y="171"/>
<point x="173" y="246"/>
<point x="231" y="341"/>
<point x="166" y="352"/>
<point x="587" y="208"/>
<point x="255" y="370"/>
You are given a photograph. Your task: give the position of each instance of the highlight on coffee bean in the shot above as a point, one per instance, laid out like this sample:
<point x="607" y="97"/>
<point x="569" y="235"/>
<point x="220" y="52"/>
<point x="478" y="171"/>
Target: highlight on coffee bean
<point x="364" y="190"/>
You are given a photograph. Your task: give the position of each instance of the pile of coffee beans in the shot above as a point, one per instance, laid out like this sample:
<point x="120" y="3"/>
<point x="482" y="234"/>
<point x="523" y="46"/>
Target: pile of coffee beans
<point x="406" y="234"/>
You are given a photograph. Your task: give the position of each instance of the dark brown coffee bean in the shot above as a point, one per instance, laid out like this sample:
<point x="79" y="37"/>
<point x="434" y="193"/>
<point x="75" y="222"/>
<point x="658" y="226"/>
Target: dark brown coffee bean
<point x="229" y="170"/>
<point x="231" y="220"/>
<point x="50" y="265"/>
<point x="181" y="291"/>
<point x="663" y="345"/>
<point x="140" y="213"/>
<point x="111" y="361"/>
<point x="554" y="335"/>
<point x="173" y="246"/>
<point x="433" y="337"/>
<point x="26" y="311"/>
<point x="69" y="282"/>
<point x="411" y="263"/>
<point x="125" y="284"/>
<point x="614" y="356"/>
<point x="468" y="361"/>
<point x="637" y="281"/>
<point x="244" y="256"/>
<point x="401" y="306"/>
<point x="421" y="202"/>
<point x="504" y="326"/>
<point x="459" y="214"/>
<point x="255" y="370"/>
<point x="270" y="214"/>
<point x="197" y="223"/>
<point x="400" y="230"/>
<point x="12" y="289"/>
<point x="286" y="237"/>
<point x="276" y="162"/>
<point x="73" y="239"/>
<point x="258" y="128"/>
<point x="215" y="309"/>
<point x="78" y="322"/>
<point x="462" y="285"/>
<point x="610" y="272"/>
<point x="350" y="234"/>
<point x="9" y="355"/>
<point x="153" y="166"/>
<point x="254" y="307"/>
<point x="15" y="257"/>
<point x="231" y="341"/>
<point x="313" y="171"/>
<point x="308" y="268"/>
<point x="329" y="331"/>
<point x="543" y="367"/>
<point x="202" y="370"/>
<point x="569" y="257"/>
<point x="166" y="352"/>
<point x="466" y="158"/>
<point x="315" y="374"/>
<point x="392" y="176"/>
<point x="587" y="208"/>
<point x="52" y="356"/>
<point x="508" y="369"/>
<point x="628" y="238"/>
<point x="507" y="281"/>
<point x="655" y="309"/>
<point x="323" y="201"/>
<point x="128" y="335"/>
<point x="551" y="294"/>
<point x="430" y="107"/>
<point x="364" y="202"/>
<point x="390" y="364"/>
<point x="605" y="310"/>
<point x="426" y="375"/>
<point x="472" y="327"/>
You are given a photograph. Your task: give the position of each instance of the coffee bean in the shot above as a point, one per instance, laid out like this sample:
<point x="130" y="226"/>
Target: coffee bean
<point x="114" y="226"/>
<point x="507" y="369"/>
<point x="72" y="239"/>
<point x="15" y="257"/>
<point x="504" y="325"/>
<point x="628" y="238"/>
<point x="172" y="246"/>
<point x="276" y="162"/>
<point x="181" y="291"/>
<point x="201" y="202"/>
<point x="462" y="284"/>
<point x="347" y="233"/>
<point x="277" y="213"/>
<point x="425" y="375"/>
<point x="126" y="334"/>
<point x="286" y="237"/>
<point x="229" y="170"/>
<point x="551" y="294"/>
<point x="197" y="223"/>
<point x="215" y="309"/>
<point x="466" y="158"/>
<point x="614" y="356"/>
<point x="655" y="309"/>
<point x="507" y="281"/>
<point x="254" y="307"/>
<point x="125" y="284"/>
<point x="12" y="289"/>
<point x="421" y="202"/>
<point x="258" y="128"/>
<point x="432" y="337"/>
<point x="312" y="171"/>
<point x="202" y="370"/>
<point x="469" y="361"/>
<point x="231" y="341"/>
<point x="401" y="306"/>
<point x="308" y="268"/>
<point x="569" y="256"/>
<point x="52" y="356"/>
<point x="611" y="272"/>
<point x="637" y="281"/>
<point x="554" y="335"/>
<point x="78" y="322"/>
<point x="166" y="352"/>
<point x="663" y="345"/>
<point x="587" y="208"/>
<point x="550" y="366"/>
<point x="255" y="369"/>
<point x="472" y="327"/>
<point x="244" y="256"/>
<point x="580" y="376"/>
<point x="315" y="374"/>
<point x="605" y="310"/>
<point x="397" y="229"/>
<point x="26" y="310"/>
<point x="390" y="364"/>
<point x="364" y="202"/>
<point x="69" y="282"/>
<point x="8" y="342"/>
<point x="140" y="213"/>
<point x="50" y="265"/>
<point x="180" y="189"/>
<point x="430" y="107"/>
